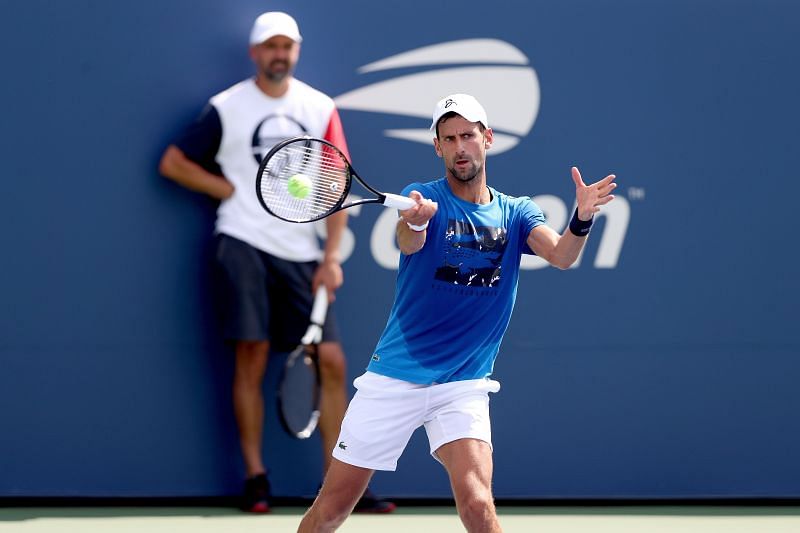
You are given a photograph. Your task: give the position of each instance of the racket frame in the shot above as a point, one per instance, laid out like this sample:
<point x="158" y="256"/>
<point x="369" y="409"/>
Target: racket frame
<point x="306" y="348"/>
<point x="297" y="357"/>
<point x="387" y="199"/>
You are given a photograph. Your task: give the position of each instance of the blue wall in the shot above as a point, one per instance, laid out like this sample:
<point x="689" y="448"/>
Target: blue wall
<point x="668" y="370"/>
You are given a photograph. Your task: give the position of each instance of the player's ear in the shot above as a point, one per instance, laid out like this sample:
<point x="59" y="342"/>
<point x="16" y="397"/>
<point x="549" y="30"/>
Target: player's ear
<point x="488" y="138"/>
<point x="437" y="147"/>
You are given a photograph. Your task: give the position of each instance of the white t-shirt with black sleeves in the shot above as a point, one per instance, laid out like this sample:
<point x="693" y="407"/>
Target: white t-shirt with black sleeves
<point x="231" y="136"/>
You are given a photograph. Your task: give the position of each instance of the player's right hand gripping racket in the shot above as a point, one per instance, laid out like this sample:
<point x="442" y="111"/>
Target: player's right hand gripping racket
<point x="299" y="389"/>
<point x="304" y="179"/>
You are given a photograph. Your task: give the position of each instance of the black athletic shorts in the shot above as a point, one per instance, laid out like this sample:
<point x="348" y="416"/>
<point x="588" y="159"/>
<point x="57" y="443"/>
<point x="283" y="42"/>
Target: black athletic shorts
<point x="262" y="297"/>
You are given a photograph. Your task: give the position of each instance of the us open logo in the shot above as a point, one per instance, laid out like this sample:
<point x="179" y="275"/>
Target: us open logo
<point x="498" y="75"/>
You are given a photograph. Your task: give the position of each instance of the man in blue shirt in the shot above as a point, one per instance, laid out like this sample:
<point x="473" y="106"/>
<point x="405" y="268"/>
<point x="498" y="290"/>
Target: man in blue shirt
<point x="456" y="286"/>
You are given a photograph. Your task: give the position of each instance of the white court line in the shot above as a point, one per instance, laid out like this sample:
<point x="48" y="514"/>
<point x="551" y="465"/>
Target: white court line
<point x="419" y="523"/>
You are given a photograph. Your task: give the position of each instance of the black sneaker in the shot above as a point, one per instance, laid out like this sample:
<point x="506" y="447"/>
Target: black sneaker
<point x="256" y="494"/>
<point x="369" y="503"/>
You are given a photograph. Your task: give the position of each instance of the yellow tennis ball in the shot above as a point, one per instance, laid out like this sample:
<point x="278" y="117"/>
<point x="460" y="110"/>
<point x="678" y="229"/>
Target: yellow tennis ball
<point x="299" y="186"/>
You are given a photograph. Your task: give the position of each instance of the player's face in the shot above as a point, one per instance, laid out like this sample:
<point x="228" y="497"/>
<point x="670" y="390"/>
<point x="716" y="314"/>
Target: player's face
<point x="463" y="146"/>
<point x="276" y="57"/>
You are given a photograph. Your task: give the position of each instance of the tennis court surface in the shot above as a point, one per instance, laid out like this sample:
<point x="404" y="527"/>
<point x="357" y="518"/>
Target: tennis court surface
<point x="514" y="519"/>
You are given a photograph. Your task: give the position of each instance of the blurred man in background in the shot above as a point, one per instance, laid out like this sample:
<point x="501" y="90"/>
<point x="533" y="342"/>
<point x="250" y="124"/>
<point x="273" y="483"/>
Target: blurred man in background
<point x="266" y="269"/>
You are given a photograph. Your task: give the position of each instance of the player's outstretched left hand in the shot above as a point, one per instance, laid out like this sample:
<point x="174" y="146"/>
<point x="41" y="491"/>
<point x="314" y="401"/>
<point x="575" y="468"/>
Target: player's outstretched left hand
<point x="591" y="197"/>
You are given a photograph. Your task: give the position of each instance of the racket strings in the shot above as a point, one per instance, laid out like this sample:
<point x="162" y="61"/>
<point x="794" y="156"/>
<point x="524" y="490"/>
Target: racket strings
<point x="325" y="171"/>
<point x="298" y="393"/>
<point x="325" y="174"/>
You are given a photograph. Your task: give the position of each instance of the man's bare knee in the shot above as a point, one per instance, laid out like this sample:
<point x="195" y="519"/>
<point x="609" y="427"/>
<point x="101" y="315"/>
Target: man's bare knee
<point x="478" y="513"/>
<point x="332" y="361"/>
<point x="322" y="519"/>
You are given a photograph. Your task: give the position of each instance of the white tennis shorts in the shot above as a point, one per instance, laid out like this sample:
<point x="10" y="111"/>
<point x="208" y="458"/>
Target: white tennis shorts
<point x="385" y="412"/>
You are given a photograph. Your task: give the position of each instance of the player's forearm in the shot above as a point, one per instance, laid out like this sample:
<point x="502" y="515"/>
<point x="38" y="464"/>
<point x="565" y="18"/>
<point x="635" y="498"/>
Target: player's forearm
<point x="408" y="240"/>
<point x="567" y="250"/>
<point x="334" y="226"/>
<point x="177" y="167"/>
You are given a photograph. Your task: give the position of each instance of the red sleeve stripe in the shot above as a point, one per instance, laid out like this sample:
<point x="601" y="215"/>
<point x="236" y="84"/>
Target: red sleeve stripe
<point x="335" y="134"/>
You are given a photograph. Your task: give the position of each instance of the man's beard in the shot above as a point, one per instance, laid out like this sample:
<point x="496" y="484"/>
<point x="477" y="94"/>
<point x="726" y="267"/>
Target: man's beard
<point x="466" y="175"/>
<point x="277" y="76"/>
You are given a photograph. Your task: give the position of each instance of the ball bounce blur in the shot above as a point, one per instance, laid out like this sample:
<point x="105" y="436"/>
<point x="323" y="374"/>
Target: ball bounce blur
<point x="299" y="186"/>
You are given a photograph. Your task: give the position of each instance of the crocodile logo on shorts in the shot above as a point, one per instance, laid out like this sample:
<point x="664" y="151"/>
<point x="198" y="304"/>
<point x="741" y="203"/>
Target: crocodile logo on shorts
<point x="342" y="445"/>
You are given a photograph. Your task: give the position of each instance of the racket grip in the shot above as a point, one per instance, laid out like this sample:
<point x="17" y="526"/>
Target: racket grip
<point x="318" y="311"/>
<point x="398" y="202"/>
<point x="320" y="307"/>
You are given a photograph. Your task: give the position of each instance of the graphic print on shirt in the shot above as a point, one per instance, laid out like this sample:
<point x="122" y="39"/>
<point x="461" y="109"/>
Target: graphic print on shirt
<point x="472" y="255"/>
<point x="272" y="130"/>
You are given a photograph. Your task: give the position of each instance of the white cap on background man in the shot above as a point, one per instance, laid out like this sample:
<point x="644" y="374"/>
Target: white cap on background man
<point x="274" y="23"/>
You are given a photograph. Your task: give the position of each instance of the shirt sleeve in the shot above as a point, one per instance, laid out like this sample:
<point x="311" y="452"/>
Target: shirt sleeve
<point x="531" y="215"/>
<point x="411" y="187"/>
<point x="335" y="134"/>
<point x="201" y="140"/>
<point x="425" y="190"/>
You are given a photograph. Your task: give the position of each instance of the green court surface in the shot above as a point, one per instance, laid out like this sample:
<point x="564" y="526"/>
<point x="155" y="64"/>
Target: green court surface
<point x="597" y="519"/>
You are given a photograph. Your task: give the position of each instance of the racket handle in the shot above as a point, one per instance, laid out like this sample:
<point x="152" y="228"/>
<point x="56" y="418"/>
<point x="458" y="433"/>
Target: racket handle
<point x="398" y="202"/>
<point x="318" y="311"/>
<point x="320" y="307"/>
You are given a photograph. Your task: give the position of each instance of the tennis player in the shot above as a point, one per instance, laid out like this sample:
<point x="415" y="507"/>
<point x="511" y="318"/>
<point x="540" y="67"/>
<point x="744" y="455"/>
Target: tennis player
<point x="461" y="248"/>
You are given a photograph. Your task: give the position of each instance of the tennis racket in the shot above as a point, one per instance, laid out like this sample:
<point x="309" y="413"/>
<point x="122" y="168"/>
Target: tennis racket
<point x="299" y="390"/>
<point x="304" y="179"/>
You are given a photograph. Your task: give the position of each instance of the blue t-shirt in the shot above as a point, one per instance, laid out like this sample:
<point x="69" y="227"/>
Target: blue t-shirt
<point x="454" y="297"/>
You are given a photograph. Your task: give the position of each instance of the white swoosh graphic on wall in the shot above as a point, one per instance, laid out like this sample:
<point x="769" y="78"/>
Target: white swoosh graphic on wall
<point x="510" y="93"/>
<point x="489" y="51"/>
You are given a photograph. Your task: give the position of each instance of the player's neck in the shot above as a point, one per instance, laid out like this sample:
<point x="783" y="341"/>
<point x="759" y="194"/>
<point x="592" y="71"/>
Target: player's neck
<point x="474" y="191"/>
<point x="271" y="88"/>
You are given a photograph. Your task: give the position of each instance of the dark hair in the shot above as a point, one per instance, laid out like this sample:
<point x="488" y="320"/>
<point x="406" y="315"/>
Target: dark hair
<point x="451" y="114"/>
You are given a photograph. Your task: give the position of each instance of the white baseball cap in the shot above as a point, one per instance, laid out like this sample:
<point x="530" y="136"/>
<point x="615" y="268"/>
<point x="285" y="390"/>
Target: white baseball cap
<point x="463" y="104"/>
<point x="274" y="23"/>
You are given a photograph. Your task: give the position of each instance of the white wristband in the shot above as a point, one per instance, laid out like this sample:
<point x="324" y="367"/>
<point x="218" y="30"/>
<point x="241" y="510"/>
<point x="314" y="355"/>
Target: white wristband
<point x="418" y="228"/>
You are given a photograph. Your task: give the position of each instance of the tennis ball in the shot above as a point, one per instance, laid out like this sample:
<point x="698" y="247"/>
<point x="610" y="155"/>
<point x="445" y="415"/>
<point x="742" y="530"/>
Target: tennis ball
<point x="299" y="186"/>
